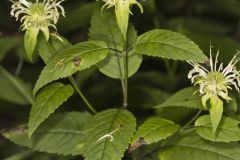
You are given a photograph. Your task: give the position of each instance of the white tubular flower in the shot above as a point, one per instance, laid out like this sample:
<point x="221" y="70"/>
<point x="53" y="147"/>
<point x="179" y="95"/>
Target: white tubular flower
<point x="215" y="81"/>
<point x="37" y="15"/>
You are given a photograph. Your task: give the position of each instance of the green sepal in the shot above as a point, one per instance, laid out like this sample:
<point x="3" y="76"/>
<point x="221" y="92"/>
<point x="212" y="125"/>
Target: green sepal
<point x="30" y="41"/>
<point x="216" y="111"/>
<point x="122" y="15"/>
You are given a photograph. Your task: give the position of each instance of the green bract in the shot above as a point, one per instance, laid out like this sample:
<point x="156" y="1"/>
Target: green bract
<point x="122" y="10"/>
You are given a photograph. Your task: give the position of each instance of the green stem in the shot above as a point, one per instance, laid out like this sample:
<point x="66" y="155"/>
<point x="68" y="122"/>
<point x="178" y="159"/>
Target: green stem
<point x="193" y="119"/>
<point x="19" y="67"/>
<point x="125" y="95"/>
<point x="71" y="79"/>
<point x="125" y="76"/>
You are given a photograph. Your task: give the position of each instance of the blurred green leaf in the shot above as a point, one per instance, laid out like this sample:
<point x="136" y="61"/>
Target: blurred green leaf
<point x="109" y="134"/>
<point x="46" y="102"/>
<point x="183" y="98"/>
<point x="76" y="58"/>
<point x="155" y="129"/>
<point x="20" y="156"/>
<point x="185" y="24"/>
<point x="61" y="134"/>
<point x="228" y="129"/>
<point x="78" y="14"/>
<point x="145" y="96"/>
<point x="7" y="44"/>
<point x="13" y="89"/>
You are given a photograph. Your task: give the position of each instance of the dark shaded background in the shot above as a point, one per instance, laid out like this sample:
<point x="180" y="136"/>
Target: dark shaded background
<point x="203" y="21"/>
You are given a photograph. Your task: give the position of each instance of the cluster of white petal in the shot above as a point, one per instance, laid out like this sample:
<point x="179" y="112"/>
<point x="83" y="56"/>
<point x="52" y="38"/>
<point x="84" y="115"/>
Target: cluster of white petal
<point x="38" y="14"/>
<point x="215" y="80"/>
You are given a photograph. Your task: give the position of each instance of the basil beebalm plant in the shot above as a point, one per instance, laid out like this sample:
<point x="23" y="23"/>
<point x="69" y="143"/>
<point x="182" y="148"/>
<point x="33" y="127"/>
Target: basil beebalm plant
<point x="114" y="48"/>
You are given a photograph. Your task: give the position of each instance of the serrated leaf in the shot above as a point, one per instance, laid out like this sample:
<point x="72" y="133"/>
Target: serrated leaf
<point x="13" y="89"/>
<point x="168" y="44"/>
<point x="183" y="98"/>
<point x="30" y="41"/>
<point x="48" y="49"/>
<point x="120" y="124"/>
<point x="46" y="102"/>
<point x="189" y="146"/>
<point x="61" y="66"/>
<point x="228" y="129"/>
<point x="216" y="111"/>
<point x="61" y="134"/>
<point x="155" y="129"/>
<point x="105" y="28"/>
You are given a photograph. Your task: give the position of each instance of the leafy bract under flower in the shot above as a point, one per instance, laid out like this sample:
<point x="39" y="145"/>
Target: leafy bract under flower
<point x="216" y="80"/>
<point x="122" y="11"/>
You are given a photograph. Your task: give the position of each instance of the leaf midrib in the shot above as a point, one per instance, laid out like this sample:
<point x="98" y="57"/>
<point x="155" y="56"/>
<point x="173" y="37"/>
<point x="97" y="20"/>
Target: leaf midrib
<point x="46" y="102"/>
<point x="228" y="129"/>
<point x="159" y="128"/>
<point x="168" y="45"/>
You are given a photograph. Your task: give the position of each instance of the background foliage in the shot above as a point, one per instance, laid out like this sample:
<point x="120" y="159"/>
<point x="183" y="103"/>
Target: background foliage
<point x="204" y="22"/>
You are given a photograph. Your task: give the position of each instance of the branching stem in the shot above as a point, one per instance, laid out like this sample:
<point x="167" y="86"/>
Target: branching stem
<point x="74" y="84"/>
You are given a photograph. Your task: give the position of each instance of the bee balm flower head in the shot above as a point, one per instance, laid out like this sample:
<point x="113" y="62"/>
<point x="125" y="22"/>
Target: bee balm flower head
<point x="37" y="15"/>
<point x="215" y="81"/>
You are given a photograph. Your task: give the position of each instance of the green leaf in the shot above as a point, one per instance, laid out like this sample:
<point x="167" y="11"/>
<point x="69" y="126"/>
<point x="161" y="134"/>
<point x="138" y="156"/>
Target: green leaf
<point x="61" y="134"/>
<point x="183" y="98"/>
<point x="61" y="66"/>
<point x="168" y="44"/>
<point x="121" y="124"/>
<point x="6" y="44"/>
<point x="155" y="129"/>
<point x="20" y="156"/>
<point x="189" y="146"/>
<point x="227" y="131"/>
<point x="46" y="102"/>
<point x="105" y="28"/>
<point x="13" y="89"/>
<point x="30" y="41"/>
<point x="48" y="49"/>
<point x="216" y="111"/>
<point x="110" y="66"/>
